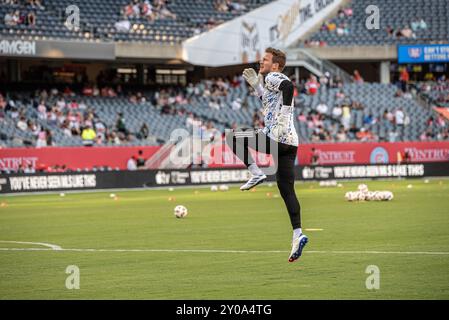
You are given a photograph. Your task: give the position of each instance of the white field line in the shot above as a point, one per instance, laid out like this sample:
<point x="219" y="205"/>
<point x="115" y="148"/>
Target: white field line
<point x="49" y="245"/>
<point x="55" y="248"/>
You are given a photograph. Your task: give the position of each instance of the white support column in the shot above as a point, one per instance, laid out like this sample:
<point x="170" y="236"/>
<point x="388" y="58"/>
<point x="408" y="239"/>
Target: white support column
<point x="297" y="75"/>
<point x="385" y="72"/>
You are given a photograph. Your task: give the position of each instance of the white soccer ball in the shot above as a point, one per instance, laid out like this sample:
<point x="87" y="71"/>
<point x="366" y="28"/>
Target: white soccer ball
<point x="370" y="196"/>
<point x="224" y="187"/>
<point x="361" y="196"/>
<point x="363" y="188"/>
<point x="180" y="211"/>
<point x="214" y="188"/>
<point x="388" y="196"/>
<point x="350" y="196"/>
<point x="62" y="194"/>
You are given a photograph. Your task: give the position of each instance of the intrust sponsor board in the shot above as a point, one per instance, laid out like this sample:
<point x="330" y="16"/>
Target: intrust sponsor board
<point x="373" y="153"/>
<point x="72" y="157"/>
<point x="222" y="156"/>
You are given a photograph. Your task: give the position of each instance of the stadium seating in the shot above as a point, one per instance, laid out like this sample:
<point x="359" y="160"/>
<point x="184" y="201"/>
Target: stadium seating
<point x="98" y="18"/>
<point x="436" y="93"/>
<point x="394" y="14"/>
<point x="375" y="98"/>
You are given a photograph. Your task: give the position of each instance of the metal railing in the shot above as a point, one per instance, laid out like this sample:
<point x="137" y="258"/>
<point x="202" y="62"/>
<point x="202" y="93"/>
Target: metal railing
<point x="316" y="65"/>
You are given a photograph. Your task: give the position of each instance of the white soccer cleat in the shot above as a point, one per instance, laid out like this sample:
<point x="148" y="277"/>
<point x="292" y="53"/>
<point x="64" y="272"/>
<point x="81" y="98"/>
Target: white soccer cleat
<point x="254" y="181"/>
<point x="298" y="245"/>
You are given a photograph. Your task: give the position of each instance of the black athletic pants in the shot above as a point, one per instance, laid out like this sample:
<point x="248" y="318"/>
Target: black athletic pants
<point x="284" y="157"/>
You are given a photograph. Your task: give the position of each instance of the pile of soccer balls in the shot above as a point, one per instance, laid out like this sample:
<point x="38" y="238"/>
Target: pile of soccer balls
<point x="363" y="194"/>
<point x="222" y="187"/>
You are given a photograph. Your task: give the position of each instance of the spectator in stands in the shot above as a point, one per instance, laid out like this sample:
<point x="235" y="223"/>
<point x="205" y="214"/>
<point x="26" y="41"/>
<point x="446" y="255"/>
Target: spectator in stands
<point x="147" y="10"/>
<point x="398" y="93"/>
<point x="144" y="132"/>
<point x="364" y="135"/>
<point x="348" y="12"/>
<point x="407" y="33"/>
<point x="29" y="169"/>
<point x="340" y="95"/>
<point x="22" y="124"/>
<point x="221" y="6"/>
<point x="322" y="107"/>
<point x="120" y="124"/>
<point x="324" y="80"/>
<point x="49" y="137"/>
<point x="20" y="168"/>
<point x="35" y="4"/>
<point x="132" y="164"/>
<point x="236" y="6"/>
<point x="369" y="120"/>
<point x="88" y="135"/>
<point x="341" y="134"/>
<point x="312" y="85"/>
<point x="213" y="104"/>
<point x="140" y="160"/>
<point x="237" y="104"/>
<point x="404" y="78"/>
<point x="42" y="111"/>
<point x="315" y="157"/>
<point x="342" y="29"/>
<point x="31" y="19"/>
<point x="65" y="126"/>
<point x="161" y="8"/>
<point x="399" y="116"/>
<point x="73" y="105"/>
<point x="406" y="157"/>
<point x="331" y="27"/>
<point x="357" y="77"/>
<point x="41" y="140"/>
<point x="341" y="13"/>
<point x="418" y="24"/>
<point x="337" y="111"/>
<point x="353" y="131"/>
<point x="302" y="118"/>
<point x="390" y="31"/>
<point x="61" y="103"/>
<point x="346" y="116"/>
<point x="10" y="19"/>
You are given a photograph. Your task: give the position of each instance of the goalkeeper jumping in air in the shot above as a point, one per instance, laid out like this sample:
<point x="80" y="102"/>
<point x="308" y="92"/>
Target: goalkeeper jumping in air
<point x="277" y="138"/>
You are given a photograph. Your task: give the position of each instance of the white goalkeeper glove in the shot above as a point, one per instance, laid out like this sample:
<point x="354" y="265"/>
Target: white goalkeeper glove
<point x="282" y="122"/>
<point x="254" y="80"/>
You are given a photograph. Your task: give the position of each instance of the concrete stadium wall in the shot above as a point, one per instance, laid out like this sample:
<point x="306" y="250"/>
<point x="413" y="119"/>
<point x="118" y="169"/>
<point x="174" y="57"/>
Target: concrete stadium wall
<point x="356" y="53"/>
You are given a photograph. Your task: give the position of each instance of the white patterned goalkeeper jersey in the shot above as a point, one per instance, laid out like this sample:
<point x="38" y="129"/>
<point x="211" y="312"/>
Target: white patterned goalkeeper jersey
<point x="272" y="102"/>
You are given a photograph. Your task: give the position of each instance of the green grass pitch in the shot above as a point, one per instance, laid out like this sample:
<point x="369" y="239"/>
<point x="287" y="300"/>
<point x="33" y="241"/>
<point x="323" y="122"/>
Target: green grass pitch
<point x="237" y="244"/>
